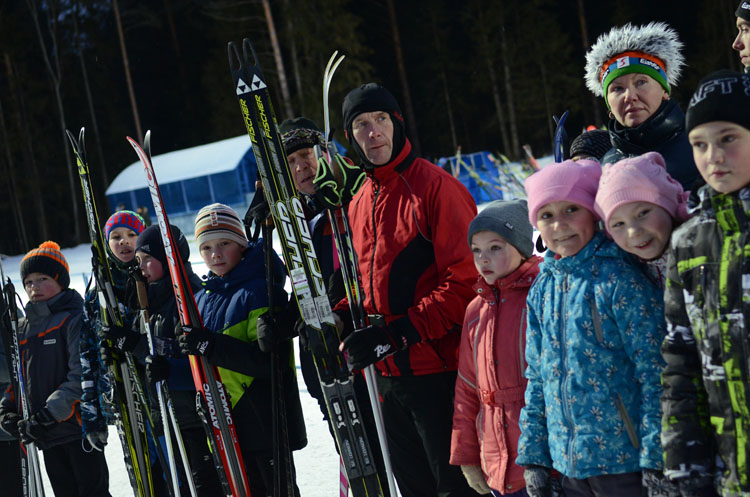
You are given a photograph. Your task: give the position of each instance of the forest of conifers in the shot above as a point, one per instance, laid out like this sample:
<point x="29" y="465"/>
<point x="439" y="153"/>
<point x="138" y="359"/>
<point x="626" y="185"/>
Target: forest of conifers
<point x="480" y="74"/>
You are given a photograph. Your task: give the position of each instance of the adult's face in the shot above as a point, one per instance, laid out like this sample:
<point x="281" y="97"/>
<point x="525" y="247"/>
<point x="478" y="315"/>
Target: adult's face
<point x="373" y="132"/>
<point x="742" y="41"/>
<point x="304" y="166"/>
<point x="634" y="97"/>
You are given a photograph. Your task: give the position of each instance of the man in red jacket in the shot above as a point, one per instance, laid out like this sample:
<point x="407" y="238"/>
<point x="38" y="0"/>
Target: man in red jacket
<point x="409" y="221"/>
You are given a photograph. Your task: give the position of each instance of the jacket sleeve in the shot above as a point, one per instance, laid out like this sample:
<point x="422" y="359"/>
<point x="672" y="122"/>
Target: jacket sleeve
<point x="450" y="212"/>
<point x="464" y="439"/>
<point x="237" y="348"/>
<point x="62" y="401"/>
<point x="685" y="418"/>
<point x="637" y="307"/>
<point x="533" y="446"/>
<point x="92" y="419"/>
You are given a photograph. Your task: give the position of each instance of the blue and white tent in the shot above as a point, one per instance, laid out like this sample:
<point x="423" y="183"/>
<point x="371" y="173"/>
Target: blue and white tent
<point x="223" y="171"/>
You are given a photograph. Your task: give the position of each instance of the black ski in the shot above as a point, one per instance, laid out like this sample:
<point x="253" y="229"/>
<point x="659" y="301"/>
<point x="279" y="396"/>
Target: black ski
<point x="304" y="270"/>
<point x="132" y="416"/>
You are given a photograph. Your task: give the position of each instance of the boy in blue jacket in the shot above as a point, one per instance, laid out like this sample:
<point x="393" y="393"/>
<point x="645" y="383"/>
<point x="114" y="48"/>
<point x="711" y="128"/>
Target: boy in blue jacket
<point x="230" y="303"/>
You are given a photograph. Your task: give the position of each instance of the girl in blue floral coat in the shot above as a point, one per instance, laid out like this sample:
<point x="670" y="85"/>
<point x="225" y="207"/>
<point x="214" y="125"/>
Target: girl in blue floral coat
<point x="595" y="326"/>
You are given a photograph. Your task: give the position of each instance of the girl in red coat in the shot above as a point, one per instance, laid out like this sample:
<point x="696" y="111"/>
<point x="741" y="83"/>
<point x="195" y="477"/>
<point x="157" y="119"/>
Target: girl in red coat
<point x="490" y="385"/>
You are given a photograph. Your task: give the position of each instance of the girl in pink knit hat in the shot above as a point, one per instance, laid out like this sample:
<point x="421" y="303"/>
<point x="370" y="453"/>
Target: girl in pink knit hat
<point x="593" y="336"/>
<point x="641" y="205"/>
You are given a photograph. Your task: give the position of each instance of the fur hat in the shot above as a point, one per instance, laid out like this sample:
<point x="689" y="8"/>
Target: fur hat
<point x="653" y="49"/>
<point x="47" y="259"/>
<point x="640" y="179"/>
<point x="569" y="181"/>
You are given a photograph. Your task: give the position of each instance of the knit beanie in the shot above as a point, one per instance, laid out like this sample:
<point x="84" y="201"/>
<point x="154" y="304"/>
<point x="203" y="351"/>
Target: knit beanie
<point x="510" y="220"/>
<point x="219" y="221"/>
<point x="743" y="11"/>
<point x="721" y="96"/>
<point x="653" y="49"/>
<point x="591" y="144"/>
<point x="151" y="243"/>
<point x="124" y="219"/>
<point x="640" y="179"/>
<point x="299" y="133"/>
<point x="372" y="97"/>
<point x="47" y="259"/>
<point x="569" y="181"/>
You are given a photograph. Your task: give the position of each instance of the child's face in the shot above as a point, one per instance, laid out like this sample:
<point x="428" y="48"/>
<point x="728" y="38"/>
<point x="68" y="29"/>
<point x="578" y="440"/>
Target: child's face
<point x="722" y="154"/>
<point x="641" y="228"/>
<point x="122" y="243"/>
<point x="494" y="257"/>
<point x="40" y="287"/>
<point x="221" y="255"/>
<point x="565" y="227"/>
<point x="152" y="269"/>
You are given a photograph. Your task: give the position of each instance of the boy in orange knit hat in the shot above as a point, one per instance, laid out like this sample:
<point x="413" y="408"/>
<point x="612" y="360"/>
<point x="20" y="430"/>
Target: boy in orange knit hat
<point x="48" y="339"/>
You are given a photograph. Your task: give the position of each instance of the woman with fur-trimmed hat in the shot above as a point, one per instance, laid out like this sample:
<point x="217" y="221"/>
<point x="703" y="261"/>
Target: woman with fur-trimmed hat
<point x="634" y="68"/>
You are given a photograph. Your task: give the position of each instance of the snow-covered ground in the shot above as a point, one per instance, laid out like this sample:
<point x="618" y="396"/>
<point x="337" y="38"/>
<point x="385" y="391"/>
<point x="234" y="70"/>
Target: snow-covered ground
<point x="317" y="464"/>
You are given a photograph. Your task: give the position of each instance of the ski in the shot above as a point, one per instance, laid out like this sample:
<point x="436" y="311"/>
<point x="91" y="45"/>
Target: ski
<point x="213" y="398"/>
<point x="304" y="270"/>
<point x="168" y="417"/>
<point x="31" y="475"/>
<point x="352" y="179"/>
<point x="132" y="414"/>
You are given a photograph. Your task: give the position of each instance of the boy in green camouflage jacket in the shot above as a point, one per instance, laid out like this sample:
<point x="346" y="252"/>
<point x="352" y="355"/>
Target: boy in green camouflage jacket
<point x="706" y="409"/>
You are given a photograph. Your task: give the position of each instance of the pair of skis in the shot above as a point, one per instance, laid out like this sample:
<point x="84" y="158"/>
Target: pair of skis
<point x="135" y="425"/>
<point x="304" y="270"/>
<point x="31" y="475"/>
<point x="212" y="399"/>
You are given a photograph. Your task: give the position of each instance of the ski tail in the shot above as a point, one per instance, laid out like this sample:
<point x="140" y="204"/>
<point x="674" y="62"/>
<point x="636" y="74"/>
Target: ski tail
<point x="206" y="377"/>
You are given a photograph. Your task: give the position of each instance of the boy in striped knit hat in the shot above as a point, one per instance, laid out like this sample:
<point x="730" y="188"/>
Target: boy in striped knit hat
<point x="232" y="298"/>
<point x="48" y="338"/>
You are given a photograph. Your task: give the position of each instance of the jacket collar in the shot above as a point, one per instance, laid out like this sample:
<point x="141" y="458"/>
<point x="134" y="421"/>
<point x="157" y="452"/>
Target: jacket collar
<point x="67" y="300"/>
<point x="522" y="277"/>
<point x="598" y="246"/>
<point x="391" y="170"/>
<point x="737" y="202"/>
<point x="666" y="123"/>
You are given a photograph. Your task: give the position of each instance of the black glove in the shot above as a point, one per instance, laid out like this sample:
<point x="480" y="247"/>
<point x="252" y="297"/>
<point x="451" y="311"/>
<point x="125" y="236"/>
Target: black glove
<point x="697" y="486"/>
<point x="539" y="483"/>
<point x="37" y="425"/>
<point x="9" y="423"/>
<point x="336" y="183"/>
<point x="370" y="345"/>
<point x="122" y="338"/>
<point x="157" y="368"/>
<point x="274" y="330"/>
<point x="658" y="485"/>
<point x="195" y="340"/>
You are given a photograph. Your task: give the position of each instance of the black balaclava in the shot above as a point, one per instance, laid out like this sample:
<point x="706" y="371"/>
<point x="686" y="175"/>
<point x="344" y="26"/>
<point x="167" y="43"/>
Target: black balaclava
<point x="372" y="97"/>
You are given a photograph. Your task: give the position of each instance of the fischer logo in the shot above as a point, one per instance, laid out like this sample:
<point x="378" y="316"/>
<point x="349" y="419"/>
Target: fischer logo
<point x="262" y="115"/>
<point x="248" y="121"/>
<point x="623" y="61"/>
